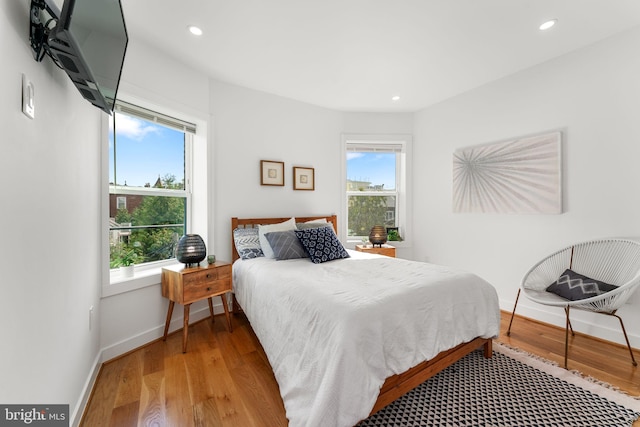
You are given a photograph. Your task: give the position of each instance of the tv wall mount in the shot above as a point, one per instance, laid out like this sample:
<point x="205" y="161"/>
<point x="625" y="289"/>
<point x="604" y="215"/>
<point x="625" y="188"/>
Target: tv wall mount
<point x="44" y="16"/>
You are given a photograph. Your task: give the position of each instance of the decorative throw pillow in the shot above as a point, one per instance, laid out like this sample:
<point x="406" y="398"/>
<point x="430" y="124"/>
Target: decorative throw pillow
<point x="321" y="244"/>
<point x="247" y="243"/>
<point x="316" y="221"/>
<point x="264" y="229"/>
<point x="285" y="245"/>
<point x="308" y="225"/>
<point x="573" y="286"/>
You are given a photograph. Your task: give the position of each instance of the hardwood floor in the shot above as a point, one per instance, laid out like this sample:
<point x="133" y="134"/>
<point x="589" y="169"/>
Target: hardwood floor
<point x="224" y="379"/>
<point x="593" y="357"/>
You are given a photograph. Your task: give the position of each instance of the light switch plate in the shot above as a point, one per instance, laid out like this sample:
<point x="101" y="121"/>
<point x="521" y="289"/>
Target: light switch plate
<point x="28" y="95"/>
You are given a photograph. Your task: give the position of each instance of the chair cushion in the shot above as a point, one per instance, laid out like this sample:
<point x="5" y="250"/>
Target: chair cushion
<point x="574" y="286"/>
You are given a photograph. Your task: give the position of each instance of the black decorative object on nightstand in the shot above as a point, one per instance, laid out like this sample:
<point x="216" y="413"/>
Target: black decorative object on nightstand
<point x="378" y="235"/>
<point x="191" y="249"/>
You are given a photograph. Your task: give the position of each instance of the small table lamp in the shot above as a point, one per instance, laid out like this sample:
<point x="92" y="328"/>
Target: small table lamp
<point x="378" y="235"/>
<point x="191" y="250"/>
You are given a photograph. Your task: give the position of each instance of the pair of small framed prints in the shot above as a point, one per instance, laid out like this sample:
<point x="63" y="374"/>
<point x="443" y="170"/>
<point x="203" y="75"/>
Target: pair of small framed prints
<point x="272" y="173"/>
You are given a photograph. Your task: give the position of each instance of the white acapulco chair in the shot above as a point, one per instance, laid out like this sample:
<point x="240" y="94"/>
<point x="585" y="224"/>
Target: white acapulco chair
<point x="614" y="261"/>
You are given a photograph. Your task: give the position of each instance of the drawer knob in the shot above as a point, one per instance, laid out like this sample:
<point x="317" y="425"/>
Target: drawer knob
<point x="208" y="276"/>
<point x="209" y="288"/>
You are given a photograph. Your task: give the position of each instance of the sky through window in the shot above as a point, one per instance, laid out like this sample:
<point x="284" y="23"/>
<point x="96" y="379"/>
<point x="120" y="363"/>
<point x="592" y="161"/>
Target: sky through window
<point x="145" y="151"/>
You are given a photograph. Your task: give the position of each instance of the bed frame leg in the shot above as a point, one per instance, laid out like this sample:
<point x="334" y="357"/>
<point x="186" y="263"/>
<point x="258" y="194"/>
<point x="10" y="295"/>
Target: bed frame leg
<point x="488" y="349"/>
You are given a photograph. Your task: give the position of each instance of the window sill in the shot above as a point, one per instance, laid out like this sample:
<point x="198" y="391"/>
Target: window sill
<point x="142" y="278"/>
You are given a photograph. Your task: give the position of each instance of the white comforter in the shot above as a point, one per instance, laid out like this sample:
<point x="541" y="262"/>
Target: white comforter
<point x="334" y="332"/>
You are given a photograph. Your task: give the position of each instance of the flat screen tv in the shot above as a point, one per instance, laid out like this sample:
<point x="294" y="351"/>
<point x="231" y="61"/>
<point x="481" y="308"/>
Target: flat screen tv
<point x="88" y="40"/>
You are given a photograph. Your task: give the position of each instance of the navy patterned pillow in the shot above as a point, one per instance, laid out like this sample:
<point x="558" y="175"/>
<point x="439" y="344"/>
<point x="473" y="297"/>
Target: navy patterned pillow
<point x="573" y="286"/>
<point x="321" y="244"/>
<point x="247" y="243"/>
<point x="285" y="245"/>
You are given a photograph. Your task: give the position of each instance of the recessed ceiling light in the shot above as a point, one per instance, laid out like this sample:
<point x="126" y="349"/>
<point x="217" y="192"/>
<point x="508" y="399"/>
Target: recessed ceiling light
<point x="196" y="31"/>
<point x="548" y="24"/>
<point x="395" y="98"/>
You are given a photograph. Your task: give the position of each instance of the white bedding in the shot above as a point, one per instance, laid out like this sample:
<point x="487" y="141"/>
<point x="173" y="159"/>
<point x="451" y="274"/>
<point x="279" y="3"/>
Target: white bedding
<point x="333" y="332"/>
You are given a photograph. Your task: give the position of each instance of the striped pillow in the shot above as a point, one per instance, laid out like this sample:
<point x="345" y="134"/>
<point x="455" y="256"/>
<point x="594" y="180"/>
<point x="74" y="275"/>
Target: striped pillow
<point x="285" y="245"/>
<point x="247" y="243"/>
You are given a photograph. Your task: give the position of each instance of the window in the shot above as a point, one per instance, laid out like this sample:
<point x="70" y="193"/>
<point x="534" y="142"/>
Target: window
<point x="375" y="183"/>
<point x="121" y="202"/>
<point x="149" y="184"/>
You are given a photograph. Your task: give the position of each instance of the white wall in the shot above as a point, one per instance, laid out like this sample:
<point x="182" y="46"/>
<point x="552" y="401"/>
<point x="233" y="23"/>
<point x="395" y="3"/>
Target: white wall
<point x="250" y="126"/>
<point x="593" y="96"/>
<point x="50" y="255"/>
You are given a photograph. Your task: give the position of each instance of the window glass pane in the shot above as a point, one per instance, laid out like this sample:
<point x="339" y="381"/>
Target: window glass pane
<point x="367" y="211"/>
<point x="144" y="223"/>
<point x="121" y="202"/>
<point x="148" y="227"/>
<point x="368" y="171"/>
<point x="145" y="154"/>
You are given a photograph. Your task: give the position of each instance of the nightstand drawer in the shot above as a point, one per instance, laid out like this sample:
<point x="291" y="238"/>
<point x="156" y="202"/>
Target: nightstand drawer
<point x="197" y="290"/>
<point x="207" y="275"/>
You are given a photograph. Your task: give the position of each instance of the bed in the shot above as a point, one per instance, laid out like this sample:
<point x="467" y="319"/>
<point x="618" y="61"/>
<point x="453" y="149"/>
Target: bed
<point x="347" y="337"/>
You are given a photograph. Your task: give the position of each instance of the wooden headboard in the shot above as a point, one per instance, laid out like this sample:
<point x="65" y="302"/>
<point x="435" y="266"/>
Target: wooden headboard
<point x="254" y="222"/>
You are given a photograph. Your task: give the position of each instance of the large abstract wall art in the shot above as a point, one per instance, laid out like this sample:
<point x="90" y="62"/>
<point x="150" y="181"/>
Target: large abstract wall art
<point x="518" y="176"/>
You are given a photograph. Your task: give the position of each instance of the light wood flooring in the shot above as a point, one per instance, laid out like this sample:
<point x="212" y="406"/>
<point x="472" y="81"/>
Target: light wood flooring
<point x="224" y="379"/>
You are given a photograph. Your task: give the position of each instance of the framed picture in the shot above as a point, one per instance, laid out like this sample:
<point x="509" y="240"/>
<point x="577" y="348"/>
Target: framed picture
<point x="271" y="172"/>
<point x="303" y="178"/>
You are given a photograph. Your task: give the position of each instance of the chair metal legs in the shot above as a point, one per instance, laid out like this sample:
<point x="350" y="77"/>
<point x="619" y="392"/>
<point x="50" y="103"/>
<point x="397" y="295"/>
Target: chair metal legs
<point x="569" y="327"/>
<point x="566" y="336"/>
<point x="566" y="330"/>
<point x="513" y="312"/>
<point x="624" y="331"/>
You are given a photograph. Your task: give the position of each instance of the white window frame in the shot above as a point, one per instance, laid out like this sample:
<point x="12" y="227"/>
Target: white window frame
<point x="197" y="159"/>
<point x="403" y="182"/>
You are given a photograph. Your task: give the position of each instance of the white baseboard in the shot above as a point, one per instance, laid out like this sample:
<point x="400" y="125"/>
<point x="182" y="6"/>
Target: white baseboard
<point x="76" y="415"/>
<point x="154" y="333"/>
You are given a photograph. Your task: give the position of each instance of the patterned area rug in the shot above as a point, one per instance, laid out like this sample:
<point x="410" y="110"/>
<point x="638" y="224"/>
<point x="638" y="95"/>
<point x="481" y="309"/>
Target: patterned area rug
<point x="505" y="392"/>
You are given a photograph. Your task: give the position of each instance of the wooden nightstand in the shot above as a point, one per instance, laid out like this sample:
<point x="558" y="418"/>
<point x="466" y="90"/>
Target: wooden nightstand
<point x="188" y="285"/>
<point x="386" y="250"/>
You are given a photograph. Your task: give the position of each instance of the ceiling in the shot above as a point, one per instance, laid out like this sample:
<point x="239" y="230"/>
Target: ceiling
<point x="354" y="55"/>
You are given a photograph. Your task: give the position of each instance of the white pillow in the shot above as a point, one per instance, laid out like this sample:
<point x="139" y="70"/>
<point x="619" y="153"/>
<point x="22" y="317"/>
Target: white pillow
<point x="317" y="221"/>
<point x="264" y="229"/>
